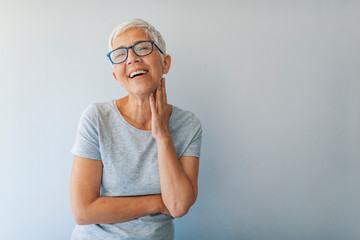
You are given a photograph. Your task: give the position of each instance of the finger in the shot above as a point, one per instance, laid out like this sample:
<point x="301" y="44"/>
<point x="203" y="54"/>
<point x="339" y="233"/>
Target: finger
<point x="159" y="95"/>
<point x="152" y="103"/>
<point x="164" y="92"/>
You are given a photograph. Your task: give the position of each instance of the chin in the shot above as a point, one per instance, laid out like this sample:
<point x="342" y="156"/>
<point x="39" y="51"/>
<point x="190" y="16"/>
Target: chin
<point x="142" y="92"/>
<point x="142" y="88"/>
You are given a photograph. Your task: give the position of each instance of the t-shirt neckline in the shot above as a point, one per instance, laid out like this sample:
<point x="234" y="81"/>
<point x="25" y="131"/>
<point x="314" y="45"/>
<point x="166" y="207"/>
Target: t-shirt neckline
<point x="131" y="126"/>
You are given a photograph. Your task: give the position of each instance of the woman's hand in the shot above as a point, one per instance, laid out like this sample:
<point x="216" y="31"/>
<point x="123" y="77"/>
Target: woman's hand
<point x="160" y="112"/>
<point x="178" y="177"/>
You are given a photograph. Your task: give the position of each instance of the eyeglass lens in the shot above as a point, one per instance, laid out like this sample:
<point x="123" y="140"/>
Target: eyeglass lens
<point x="140" y="49"/>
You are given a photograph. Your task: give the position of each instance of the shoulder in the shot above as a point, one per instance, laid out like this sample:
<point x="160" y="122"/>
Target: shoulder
<point x="98" y="109"/>
<point x="186" y="131"/>
<point x="184" y="118"/>
<point x="181" y="114"/>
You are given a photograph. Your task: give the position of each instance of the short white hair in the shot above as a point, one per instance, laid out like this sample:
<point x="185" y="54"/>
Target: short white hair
<point x="149" y="29"/>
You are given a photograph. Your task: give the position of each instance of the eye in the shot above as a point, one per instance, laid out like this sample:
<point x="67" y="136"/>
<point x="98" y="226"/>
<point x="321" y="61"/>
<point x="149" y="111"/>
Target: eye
<point x="141" y="48"/>
<point x="120" y="54"/>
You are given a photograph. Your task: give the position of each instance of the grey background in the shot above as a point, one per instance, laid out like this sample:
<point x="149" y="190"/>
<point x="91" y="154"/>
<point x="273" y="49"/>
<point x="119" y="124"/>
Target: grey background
<point x="275" y="84"/>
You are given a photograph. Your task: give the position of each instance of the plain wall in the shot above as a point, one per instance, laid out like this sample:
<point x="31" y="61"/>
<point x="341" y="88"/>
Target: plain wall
<point x="275" y="84"/>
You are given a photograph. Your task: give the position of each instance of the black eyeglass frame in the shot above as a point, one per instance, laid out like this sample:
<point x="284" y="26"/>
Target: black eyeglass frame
<point x="127" y="51"/>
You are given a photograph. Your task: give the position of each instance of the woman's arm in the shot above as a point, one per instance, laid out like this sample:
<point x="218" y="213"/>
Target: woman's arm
<point x="89" y="208"/>
<point x="178" y="177"/>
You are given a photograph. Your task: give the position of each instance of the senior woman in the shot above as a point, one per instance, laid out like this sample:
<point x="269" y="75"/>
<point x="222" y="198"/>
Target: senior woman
<point x="136" y="159"/>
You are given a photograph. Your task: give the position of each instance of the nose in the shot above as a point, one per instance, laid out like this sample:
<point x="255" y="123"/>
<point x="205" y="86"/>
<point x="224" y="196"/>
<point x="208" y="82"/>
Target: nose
<point x="132" y="57"/>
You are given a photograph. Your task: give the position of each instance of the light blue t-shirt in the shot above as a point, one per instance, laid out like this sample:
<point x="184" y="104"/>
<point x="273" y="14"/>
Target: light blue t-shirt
<point x="130" y="165"/>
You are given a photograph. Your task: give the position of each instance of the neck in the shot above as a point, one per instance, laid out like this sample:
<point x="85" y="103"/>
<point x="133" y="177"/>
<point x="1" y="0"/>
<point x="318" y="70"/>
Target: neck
<point x="136" y="111"/>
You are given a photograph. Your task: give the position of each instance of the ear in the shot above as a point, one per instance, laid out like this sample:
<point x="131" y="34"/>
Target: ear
<point x="167" y="63"/>
<point x="114" y="76"/>
<point x="117" y="79"/>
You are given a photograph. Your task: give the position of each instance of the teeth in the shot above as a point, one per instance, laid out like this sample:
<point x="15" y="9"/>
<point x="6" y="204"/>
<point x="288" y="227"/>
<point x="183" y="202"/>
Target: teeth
<point x="137" y="72"/>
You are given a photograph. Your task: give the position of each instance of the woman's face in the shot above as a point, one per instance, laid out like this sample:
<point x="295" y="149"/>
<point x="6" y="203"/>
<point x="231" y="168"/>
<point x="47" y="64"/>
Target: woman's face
<point x="153" y="66"/>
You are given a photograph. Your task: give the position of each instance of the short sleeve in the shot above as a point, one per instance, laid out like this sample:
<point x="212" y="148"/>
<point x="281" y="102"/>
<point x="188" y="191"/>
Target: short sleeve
<point x="194" y="146"/>
<point x="87" y="137"/>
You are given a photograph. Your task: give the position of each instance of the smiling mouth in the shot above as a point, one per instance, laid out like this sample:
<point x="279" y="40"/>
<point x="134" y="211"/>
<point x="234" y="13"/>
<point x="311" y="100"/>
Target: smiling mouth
<point x="137" y="73"/>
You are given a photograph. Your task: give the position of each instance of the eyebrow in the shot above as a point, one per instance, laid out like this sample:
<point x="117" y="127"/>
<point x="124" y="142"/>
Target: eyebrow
<point x="121" y="46"/>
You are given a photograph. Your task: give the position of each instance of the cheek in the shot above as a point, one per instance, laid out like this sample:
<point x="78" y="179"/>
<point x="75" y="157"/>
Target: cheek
<point x="159" y="72"/>
<point x="119" y="72"/>
<point x="118" y="75"/>
<point x="160" y="67"/>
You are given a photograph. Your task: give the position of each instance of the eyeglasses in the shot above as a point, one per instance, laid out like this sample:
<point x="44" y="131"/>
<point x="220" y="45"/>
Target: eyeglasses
<point x="141" y="49"/>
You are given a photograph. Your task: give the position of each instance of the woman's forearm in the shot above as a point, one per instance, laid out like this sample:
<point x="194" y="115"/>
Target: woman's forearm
<point x="88" y="207"/>
<point x="117" y="209"/>
<point x="177" y="191"/>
